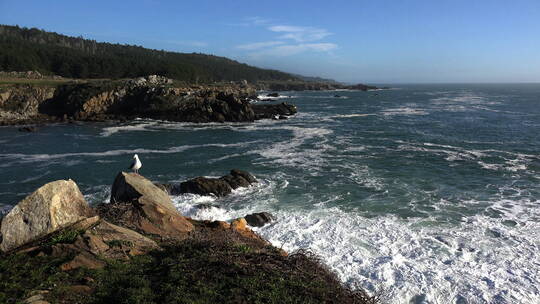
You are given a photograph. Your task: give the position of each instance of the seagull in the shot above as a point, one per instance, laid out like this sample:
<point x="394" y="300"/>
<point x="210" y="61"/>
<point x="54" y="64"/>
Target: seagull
<point x="136" y="165"/>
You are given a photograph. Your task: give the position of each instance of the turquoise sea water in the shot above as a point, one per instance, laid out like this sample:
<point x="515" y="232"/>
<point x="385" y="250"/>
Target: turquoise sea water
<point x="429" y="192"/>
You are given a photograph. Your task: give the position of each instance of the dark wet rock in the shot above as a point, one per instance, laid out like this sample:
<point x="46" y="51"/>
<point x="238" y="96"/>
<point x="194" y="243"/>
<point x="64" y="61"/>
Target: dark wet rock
<point x="246" y="175"/>
<point x="218" y="186"/>
<point x="267" y="111"/>
<point x="259" y="219"/>
<point x="235" y="181"/>
<point x="28" y="129"/>
<point x="273" y="95"/>
<point x="206" y="186"/>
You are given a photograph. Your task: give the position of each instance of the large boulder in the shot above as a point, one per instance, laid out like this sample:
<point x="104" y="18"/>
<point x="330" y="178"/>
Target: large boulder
<point x="139" y="204"/>
<point x="217" y="186"/>
<point x="50" y="208"/>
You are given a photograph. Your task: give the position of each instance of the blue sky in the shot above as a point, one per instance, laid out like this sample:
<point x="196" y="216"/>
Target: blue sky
<point x="377" y="41"/>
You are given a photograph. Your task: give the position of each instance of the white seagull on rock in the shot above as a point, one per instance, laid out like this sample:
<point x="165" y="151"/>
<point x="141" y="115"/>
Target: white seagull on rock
<point x="136" y="165"/>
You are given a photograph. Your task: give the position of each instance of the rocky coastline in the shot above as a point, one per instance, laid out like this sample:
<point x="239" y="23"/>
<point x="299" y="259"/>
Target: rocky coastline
<point x="134" y="247"/>
<point x="145" y="97"/>
<point x="312" y="86"/>
<point x="155" y="97"/>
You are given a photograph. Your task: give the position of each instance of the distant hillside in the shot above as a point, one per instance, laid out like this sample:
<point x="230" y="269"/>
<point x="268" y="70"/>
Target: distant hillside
<point x="23" y="49"/>
<point x="314" y="79"/>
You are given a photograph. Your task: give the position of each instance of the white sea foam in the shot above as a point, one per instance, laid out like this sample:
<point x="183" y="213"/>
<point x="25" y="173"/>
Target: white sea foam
<point x="506" y="160"/>
<point x="351" y="115"/>
<point x="403" y="111"/>
<point x="24" y="158"/>
<point x="300" y="150"/>
<point x="483" y="260"/>
<point x="143" y="126"/>
<point x="263" y="97"/>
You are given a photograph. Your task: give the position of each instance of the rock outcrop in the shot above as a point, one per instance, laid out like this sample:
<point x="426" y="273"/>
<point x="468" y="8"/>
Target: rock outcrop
<point x="53" y="206"/>
<point x="270" y="111"/>
<point x="146" y="97"/>
<point x="100" y="239"/>
<point x="259" y="219"/>
<point x="137" y="98"/>
<point x="20" y="103"/>
<point x="139" y="204"/>
<point x="217" y="186"/>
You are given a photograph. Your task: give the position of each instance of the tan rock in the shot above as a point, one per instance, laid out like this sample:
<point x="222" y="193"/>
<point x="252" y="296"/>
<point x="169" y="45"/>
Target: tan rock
<point x="239" y="224"/>
<point x="83" y="259"/>
<point x="151" y="210"/>
<point x="50" y="208"/>
<point x="81" y="289"/>
<point x="113" y="241"/>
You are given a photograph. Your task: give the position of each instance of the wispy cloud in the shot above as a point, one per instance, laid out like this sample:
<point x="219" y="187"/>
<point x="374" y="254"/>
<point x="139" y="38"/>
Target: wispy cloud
<point x="258" y="20"/>
<point x="251" y="21"/>
<point x="259" y="45"/>
<point x="292" y="39"/>
<point x="300" y="33"/>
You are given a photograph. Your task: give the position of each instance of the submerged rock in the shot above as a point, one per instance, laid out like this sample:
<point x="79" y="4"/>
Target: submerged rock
<point x="50" y="208"/>
<point x="145" y="207"/>
<point x="259" y="219"/>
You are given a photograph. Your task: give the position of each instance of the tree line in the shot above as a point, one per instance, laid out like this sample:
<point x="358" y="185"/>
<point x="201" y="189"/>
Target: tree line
<point x="24" y="49"/>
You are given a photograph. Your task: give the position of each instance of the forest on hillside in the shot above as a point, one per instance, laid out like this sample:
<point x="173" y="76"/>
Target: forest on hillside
<point x="24" y="49"/>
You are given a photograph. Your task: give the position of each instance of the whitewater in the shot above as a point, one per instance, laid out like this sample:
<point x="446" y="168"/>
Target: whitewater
<point x="425" y="193"/>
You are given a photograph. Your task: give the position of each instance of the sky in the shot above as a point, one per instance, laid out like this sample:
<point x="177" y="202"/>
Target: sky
<point x="377" y="41"/>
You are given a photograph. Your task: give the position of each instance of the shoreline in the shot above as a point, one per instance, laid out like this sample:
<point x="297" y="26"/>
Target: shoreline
<point x="27" y="102"/>
<point x="134" y="229"/>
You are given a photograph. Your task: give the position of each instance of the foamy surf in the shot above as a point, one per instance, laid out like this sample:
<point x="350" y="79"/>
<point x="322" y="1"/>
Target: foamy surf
<point x="481" y="260"/>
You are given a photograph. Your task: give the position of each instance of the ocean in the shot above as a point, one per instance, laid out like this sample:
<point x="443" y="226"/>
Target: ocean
<point x="426" y="193"/>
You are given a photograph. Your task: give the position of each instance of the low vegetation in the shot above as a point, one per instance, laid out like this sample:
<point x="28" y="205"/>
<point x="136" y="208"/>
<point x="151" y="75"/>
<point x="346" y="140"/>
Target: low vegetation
<point x="197" y="270"/>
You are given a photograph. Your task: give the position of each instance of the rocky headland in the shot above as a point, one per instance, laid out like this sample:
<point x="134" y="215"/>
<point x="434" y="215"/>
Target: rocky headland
<point x="311" y="86"/>
<point x="32" y="98"/>
<point x="138" y="248"/>
<point x="145" y="97"/>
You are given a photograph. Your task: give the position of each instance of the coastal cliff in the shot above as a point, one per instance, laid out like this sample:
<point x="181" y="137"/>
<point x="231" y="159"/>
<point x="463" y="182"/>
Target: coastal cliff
<point x="145" y="97"/>
<point x="138" y="248"/>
